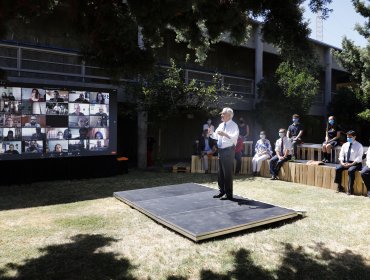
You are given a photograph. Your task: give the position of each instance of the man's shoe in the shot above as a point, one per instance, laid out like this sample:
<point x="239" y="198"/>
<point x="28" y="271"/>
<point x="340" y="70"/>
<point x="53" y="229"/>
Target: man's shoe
<point x="226" y="198"/>
<point x="340" y="189"/>
<point x="273" y="178"/>
<point x="218" y="195"/>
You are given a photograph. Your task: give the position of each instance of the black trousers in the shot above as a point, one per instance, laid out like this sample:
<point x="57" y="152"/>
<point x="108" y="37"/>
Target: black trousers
<point x="276" y="164"/>
<point x="351" y="175"/>
<point x="365" y="174"/>
<point x="225" y="171"/>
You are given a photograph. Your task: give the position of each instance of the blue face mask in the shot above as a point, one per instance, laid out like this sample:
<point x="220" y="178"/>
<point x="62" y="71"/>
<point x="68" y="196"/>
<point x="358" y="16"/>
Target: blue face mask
<point x="331" y="122"/>
<point x="349" y="140"/>
<point x="295" y="120"/>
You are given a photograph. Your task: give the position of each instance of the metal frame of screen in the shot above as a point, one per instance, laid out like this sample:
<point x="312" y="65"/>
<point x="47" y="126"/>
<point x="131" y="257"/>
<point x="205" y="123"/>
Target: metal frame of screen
<point x="55" y="122"/>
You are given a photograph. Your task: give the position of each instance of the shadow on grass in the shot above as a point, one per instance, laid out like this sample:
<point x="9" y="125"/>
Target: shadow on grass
<point x="297" y="264"/>
<point x="68" y="191"/>
<point x="80" y="259"/>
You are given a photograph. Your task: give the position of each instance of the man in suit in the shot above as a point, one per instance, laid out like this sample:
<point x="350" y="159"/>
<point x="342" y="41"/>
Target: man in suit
<point x="205" y="147"/>
<point x="283" y="149"/>
<point x="350" y="158"/>
<point x="226" y="136"/>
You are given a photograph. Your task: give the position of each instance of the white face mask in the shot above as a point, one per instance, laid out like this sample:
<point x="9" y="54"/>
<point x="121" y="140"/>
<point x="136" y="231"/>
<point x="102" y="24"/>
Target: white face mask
<point x="281" y="134"/>
<point x="262" y="136"/>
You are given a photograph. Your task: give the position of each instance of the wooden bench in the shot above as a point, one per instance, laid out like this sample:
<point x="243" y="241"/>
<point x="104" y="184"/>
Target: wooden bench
<point x="197" y="165"/>
<point x="308" y="151"/>
<point x="314" y="175"/>
<point x="297" y="172"/>
<point x="181" y="167"/>
<point x="248" y="148"/>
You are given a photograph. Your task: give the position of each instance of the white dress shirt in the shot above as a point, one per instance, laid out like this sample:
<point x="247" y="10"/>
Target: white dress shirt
<point x="231" y="129"/>
<point x="356" y="152"/>
<point x="368" y="158"/>
<point x="287" y="145"/>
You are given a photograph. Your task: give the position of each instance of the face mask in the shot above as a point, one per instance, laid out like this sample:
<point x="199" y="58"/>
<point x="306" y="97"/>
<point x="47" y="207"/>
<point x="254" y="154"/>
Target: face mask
<point x="281" y="134"/>
<point x="349" y="140"/>
<point x="262" y="136"/>
<point x="331" y="122"/>
<point x="295" y="120"/>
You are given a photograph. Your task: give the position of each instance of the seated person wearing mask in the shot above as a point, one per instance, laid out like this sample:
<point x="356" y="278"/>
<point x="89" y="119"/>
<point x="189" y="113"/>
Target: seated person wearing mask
<point x="283" y="149"/>
<point x="350" y="158"/>
<point x="295" y="132"/>
<point x="263" y="151"/>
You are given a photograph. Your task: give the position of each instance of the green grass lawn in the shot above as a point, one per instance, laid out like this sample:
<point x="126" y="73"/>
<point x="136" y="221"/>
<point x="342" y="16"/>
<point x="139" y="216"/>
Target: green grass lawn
<point x="77" y="230"/>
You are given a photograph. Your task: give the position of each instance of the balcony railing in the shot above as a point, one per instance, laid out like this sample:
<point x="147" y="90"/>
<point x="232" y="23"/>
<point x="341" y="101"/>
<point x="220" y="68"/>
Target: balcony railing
<point x="49" y="64"/>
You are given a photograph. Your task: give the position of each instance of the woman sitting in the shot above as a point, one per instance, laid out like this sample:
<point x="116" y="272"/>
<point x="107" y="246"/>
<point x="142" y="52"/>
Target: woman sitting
<point x="263" y="152"/>
<point x="332" y="136"/>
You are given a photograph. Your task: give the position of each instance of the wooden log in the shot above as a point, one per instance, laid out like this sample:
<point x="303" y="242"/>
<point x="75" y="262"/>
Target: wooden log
<point x="328" y="176"/>
<point x="299" y="151"/>
<point x="196" y="165"/>
<point x="303" y="174"/>
<point x="313" y="180"/>
<point x="265" y="168"/>
<point x="214" y="165"/>
<point x="246" y="167"/>
<point x="319" y="176"/>
<point x="284" y="172"/>
<point x="358" y="187"/>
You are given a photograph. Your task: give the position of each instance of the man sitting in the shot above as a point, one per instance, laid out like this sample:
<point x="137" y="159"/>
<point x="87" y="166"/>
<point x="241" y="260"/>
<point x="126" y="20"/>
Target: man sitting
<point x="350" y="158"/>
<point x="283" y="149"/>
<point x="205" y="147"/>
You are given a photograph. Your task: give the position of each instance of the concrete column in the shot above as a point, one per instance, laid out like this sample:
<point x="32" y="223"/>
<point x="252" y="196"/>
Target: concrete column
<point x="328" y="76"/>
<point x="142" y="121"/>
<point x="258" y="64"/>
<point x="142" y="124"/>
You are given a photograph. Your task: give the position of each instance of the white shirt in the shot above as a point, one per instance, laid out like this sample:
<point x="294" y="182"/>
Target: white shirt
<point x="231" y="129"/>
<point x="356" y="152"/>
<point x="368" y="158"/>
<point x="287" y="145"/>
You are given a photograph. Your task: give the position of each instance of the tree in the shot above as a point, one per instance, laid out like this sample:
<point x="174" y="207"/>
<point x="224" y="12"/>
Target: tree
<point x="294" y="85"/>
<point x="107" y="30"/>
<point x="165" y="94"/>
<point x="357" y="61"/>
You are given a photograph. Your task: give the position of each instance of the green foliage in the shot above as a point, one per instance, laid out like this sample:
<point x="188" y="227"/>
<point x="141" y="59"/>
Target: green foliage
<point x="363" y="10"/>
<point x="299" y="86"/>
<point x="291" y="90"/>
<point x="357" y="61"/>
<point x="166" y="93"/>
<point x="345" y="106"/>
<point x="107" y="31"/>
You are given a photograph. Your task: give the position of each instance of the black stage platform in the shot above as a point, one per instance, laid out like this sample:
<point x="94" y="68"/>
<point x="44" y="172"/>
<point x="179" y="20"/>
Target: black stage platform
<point x="191" y="210"/>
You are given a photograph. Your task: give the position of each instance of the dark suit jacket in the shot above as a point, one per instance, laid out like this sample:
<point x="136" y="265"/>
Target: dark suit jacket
<point x="202" y="145"/>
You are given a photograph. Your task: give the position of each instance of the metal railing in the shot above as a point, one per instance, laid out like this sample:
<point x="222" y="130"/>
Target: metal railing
<point x="239" y="86"/>
<point x="50" y="64"/>
<point x="38" y="63"/>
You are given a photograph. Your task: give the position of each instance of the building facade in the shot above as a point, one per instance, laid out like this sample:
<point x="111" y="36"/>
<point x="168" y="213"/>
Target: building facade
<point x="51" y="62"/>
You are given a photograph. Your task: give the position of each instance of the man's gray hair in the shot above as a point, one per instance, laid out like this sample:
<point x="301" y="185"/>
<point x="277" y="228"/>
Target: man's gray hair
<point x="228" y="110"/>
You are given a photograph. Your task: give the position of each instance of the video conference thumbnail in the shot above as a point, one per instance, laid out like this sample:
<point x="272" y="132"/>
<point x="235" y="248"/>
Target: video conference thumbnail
<point x="46" y="121"/>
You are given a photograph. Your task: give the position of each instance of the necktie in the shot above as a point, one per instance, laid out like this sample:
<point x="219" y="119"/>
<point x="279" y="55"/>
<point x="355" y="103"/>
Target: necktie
<point x="282" y="147"/>
<point x="219" y="141"/>
<point x="349" y="152"/>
